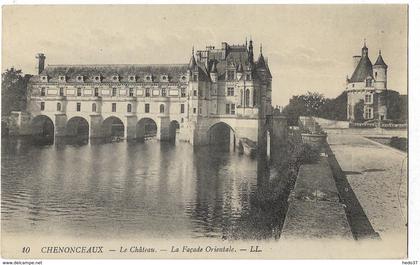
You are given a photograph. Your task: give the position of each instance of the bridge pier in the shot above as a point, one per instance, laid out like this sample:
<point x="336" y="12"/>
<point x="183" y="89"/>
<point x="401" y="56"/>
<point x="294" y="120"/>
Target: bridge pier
<point x="95" y="126"/>
<point x="60" y="123"/>
<point x="130" y="127"/>
<point x="163" y="124"/>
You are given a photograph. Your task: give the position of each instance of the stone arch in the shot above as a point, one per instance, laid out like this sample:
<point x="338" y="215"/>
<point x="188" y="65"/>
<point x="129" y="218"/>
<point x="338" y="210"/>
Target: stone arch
<point x="173" y="130"/>
<point x="113" y="127"/>
<point x="77" y="126"/>
<point x="146" y="128"/>
<point x="221" y="134"/>
<point x="42" y="127"/>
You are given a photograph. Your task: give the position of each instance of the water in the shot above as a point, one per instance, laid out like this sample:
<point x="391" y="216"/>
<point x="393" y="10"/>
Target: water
<point x="130" y="190"/>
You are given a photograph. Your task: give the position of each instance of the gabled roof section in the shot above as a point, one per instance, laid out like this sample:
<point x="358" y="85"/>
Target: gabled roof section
<point x="262" y="65"/>
<point x="363" y="70"/>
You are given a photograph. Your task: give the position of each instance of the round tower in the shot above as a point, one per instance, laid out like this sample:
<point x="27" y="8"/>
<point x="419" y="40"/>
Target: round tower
<point x="380" y="72"/>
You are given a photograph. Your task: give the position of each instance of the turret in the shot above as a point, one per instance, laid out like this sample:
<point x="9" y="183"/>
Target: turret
<point x="251" y="52"/>
<point x="365" y="50"/>
<point x="193" y="67"/>
<point x="380" y="72"/>
<point x="41" y="62"/>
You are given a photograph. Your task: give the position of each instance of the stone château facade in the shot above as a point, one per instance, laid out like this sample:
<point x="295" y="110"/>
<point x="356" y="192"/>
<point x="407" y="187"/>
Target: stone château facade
<point x="225" y="86"/>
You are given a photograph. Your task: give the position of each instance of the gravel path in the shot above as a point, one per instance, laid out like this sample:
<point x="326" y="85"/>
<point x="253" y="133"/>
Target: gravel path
<point x="378" y="176"/>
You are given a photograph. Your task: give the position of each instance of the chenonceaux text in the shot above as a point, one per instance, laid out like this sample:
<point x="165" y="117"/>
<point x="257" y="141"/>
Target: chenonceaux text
<point x="74" y="249"/>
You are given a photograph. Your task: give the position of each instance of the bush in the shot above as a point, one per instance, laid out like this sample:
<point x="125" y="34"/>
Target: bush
<point x="399" y="143"/>
<point x="306" y="154"/>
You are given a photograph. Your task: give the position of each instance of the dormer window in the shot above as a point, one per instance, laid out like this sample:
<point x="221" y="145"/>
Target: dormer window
<point x="230" y="75"/>
<point x="62" y="78"/>
<point x="148" y="78"/>
<point x="183" y="78"/>
<point x="44" y="78"/>
<point x="79" y="78"/>
<point x="115" y="78"/>
<point x="97" y="78"/>
<point x="368" y="82"/>
<point x="164" y="78"/>
<point x="132" y="78"/>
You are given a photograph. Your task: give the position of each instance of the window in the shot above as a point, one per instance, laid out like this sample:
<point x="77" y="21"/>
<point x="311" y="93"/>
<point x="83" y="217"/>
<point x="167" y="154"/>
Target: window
<point x="163" y="92"/>
<point x="183" y="92"/>
<point x="59" y="106"/>
<point x="195" y="93"/>
<point x="96" y="92"/>
<point x="42" y="91"/>
<point x="230" y="91"/>
<point x="195" y="78"/>
<point x="194" y="110"/>
<point x="78" y="106"/>
<point x="131" y="92"/>
<point x="232" y="109"/>
<point x="62" y="78"/>
<point x="352" y="85"/>
<point x="93" y="107"/>
<point x="79" y="92"/>
<point x="162" y="108"/>
<point x="368" y="113"/>
<point x="114" y="107"/>
<point x="247" y="98"/>
<point x="368" y="82"/>
<point x="242" y="97"/>
<point x="376" y="75"/>
<point x="147" y="92"/>
<point x="368" y="98"/>
<point x="230" y="75"/>
<point x="128" y="107"/>
<point x="132" y="78"/>
<point x="227" y="108"/>
<point x="114" y="91"/>
<point x="80" y="78"/>
<point x="147" y="108"/>
<point x="42" y="105"/>
<point x="248" y="77"/>
<point x="182" y="108"/>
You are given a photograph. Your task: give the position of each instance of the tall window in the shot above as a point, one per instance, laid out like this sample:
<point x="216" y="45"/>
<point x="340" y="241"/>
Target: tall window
<point x="96" y="92"/>
<point x="242" y="97"/>
<point x="183" y="92"/>
<point x="163" y="92"/>
<point x="230" y="75"/>
<point x="195" y="78"/>
<point x="195" y="93"/>
<point x="230" y="91"/>
<point x="78" y="106"/>
<point x="376" y="75"/>
<point x="194" y="110"/>
<point x="147" y="108"/>
<point x="42" y="105"/>
<point x="162" y="108"/>
<point x="131" y="92"/>
<point x="79" y="91"/>
<point x="128" y="107"/>
<point x="368" y="98"/>
<point x="182" y="108"/>
<point x="114" y="107"/>
<point x="247" y="98"/>
<point x="147" y="92"/>
<point x="368" y="113"/>
<point x="93" y="107"/>
<point x="58" y="106"/>
<point x="227" y="108"/>
<point x="114" y="91"/>
<point x="42" y="91"/>
<point x="61" y="91"/>
<point x="232" y="109"/>
<point x="248" y="77"/>
<point x="368" y="82"/>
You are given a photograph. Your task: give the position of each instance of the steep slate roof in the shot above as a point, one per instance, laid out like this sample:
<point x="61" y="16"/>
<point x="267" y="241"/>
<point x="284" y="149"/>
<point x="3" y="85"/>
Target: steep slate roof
<point x="380" y="60"/>
<point x="363" y="70"/>
<point x="262" y="65"/>
<point x="107" y="71"/>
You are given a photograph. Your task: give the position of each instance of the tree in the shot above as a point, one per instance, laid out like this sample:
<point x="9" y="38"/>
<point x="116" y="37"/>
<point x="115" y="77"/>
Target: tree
<point x="335" y="109"/>
<point x="309" y="104"/>
<point x="13" y="91"/>
<point x="359" y="110"/>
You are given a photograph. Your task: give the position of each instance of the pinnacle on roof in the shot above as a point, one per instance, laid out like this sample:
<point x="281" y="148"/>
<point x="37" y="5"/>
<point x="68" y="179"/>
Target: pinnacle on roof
<point x="193" y="63"/>
<point x="213" y="68"/>
<point x="240" y="68"/>
<point x="380" y="60"/>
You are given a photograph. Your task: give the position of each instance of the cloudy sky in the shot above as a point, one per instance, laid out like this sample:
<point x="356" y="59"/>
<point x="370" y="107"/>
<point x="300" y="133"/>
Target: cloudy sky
<point x="309" y="48"/>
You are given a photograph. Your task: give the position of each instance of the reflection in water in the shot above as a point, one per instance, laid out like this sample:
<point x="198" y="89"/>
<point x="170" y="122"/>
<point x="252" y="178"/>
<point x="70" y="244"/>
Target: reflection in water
<point x="129" y="189"/>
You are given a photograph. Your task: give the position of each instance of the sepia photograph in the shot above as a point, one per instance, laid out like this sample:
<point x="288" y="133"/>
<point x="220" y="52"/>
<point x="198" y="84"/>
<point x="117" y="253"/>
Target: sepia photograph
<point x="204" y="131"/>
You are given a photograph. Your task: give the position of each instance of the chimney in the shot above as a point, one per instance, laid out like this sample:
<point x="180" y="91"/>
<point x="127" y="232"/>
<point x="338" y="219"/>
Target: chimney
<point x="41" y="62"/>
<point x="356" y="60"/>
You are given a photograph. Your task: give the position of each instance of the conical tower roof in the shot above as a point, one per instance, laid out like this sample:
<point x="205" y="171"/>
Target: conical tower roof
<point x="380" y="61"/>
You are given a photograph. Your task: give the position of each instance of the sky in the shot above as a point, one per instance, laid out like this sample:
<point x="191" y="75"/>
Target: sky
<point x="309" y="47"/>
